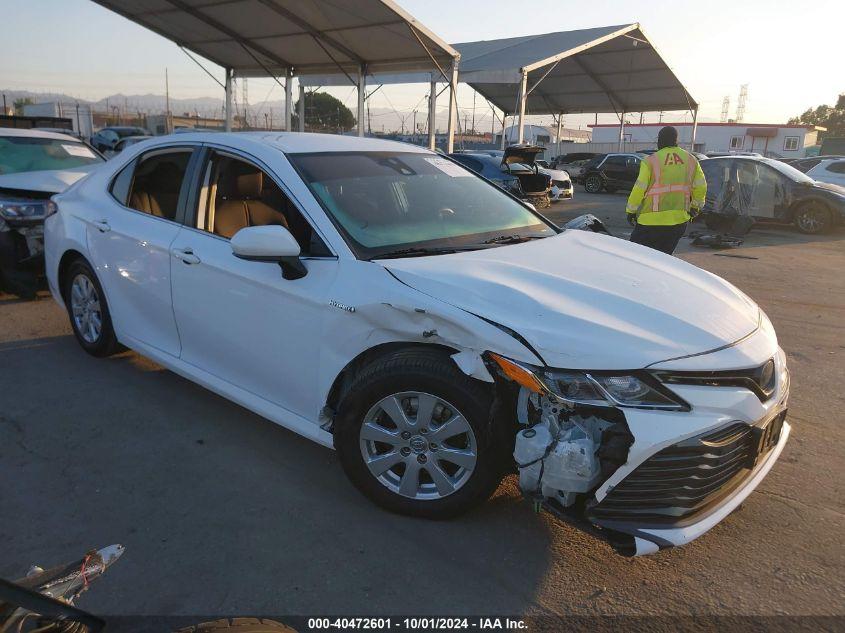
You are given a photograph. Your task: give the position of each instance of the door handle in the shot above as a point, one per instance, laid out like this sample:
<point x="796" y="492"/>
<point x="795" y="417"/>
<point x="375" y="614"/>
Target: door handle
<point x="186" y="255"/>
<point x="102" y="226"/>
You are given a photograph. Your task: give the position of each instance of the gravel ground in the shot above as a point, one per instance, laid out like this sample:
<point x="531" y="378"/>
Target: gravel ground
<point x="223" y="512"/>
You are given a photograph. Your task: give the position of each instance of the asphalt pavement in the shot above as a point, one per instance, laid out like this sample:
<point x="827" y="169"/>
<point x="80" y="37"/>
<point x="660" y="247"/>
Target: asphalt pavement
<point x="222" y="511"/>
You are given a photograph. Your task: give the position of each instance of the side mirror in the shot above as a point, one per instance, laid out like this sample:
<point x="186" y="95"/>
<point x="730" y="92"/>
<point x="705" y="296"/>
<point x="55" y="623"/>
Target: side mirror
<point x="269" y="244"/>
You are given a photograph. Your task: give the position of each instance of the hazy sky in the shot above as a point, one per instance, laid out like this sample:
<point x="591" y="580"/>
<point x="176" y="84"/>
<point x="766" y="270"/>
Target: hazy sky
<point x="789" y="53"/>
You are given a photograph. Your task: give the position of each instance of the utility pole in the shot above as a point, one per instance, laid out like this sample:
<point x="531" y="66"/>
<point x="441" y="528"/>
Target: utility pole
<point x="414" y="132"/>
<point x="166" y="102"/>
<point x="473" y="111"/>
<point x="740" y="106"/>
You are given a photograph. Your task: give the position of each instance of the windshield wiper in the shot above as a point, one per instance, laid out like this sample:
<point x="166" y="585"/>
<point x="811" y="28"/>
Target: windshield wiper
<point x="422" y="252"/>
<point x="514" y="238"/>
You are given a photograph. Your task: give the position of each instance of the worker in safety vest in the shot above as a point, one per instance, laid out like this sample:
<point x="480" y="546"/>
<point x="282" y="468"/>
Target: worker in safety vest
<point x="669" y="192"/>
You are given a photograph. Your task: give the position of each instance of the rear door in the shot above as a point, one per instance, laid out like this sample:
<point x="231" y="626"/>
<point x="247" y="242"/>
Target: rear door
<point x="615" y="169"/>
<point x="130" y="245"/>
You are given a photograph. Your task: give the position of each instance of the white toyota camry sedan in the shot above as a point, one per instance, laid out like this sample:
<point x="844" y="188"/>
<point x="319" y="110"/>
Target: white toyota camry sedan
<point x="436" y="331"/>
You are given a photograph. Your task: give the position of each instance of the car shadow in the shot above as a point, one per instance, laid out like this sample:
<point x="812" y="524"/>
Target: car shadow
<point x="226" y="510"/>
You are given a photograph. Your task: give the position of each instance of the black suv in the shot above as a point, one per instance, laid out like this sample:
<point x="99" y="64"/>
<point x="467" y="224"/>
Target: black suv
<point x="610" y="172"/>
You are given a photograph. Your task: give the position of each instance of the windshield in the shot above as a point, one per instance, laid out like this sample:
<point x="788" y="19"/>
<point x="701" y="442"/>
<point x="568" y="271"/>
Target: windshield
<point x="789" y="171"/>
<point x="28" y="153"/>
<point x="388" y="201"/>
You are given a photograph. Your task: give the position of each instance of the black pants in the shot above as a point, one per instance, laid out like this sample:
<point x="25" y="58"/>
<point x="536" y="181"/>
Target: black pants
<point x="661" y="238"/>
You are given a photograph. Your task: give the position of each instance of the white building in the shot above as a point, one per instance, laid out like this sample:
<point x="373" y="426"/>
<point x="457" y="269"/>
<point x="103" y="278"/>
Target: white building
<point x="544" y="135"/>
<point x="80" y="115"/>
<point x="780" y="141"/>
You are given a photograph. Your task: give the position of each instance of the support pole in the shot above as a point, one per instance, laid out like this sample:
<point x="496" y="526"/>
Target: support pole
<point x="228" y="89"/>
<point x="432" y="114"/>
<point x="362" y="93"/>
<point x="288" y="99"/>
<point x="453" y="107"/>
<point x="504" y="122"/>
<point x="523" y="97"/>
<point x="621" y="129"/>
<point x="301" y="107"/>
<point x="694" y="129"/>
<point x="559" y="126"/>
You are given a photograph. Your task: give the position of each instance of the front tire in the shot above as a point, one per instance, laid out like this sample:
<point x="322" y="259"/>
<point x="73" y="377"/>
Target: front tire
<point x="593" y="184"/>
<point x="414" y="434"/>
<point x="88" y="311"/>
<point x="813" y="217"/>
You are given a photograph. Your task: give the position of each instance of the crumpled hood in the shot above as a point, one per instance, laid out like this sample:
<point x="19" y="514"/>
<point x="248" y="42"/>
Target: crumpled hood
<point x="47" y="181"/>
<point x="589" y="301"/>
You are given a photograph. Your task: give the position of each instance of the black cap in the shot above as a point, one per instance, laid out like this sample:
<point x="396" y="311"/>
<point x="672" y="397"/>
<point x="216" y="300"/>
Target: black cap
<point x="667" y="137"/>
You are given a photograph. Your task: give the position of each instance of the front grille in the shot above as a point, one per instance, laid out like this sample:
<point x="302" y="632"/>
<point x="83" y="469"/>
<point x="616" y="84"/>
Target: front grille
<point x="761" y="380"/>
<point x="685" y="479"/>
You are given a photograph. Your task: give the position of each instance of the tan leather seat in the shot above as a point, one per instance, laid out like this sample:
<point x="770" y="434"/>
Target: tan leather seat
<point x="157" y="191"/>
<point x="239" y="202"/>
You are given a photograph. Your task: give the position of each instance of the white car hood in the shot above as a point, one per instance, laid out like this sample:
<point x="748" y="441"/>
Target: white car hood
<point x="48" y="181"/>
<point x="589" y="301"/>
<point x="556" y="174"/>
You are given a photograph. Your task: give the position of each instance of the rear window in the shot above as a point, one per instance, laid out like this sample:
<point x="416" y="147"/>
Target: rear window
<point x="28" y="153"/>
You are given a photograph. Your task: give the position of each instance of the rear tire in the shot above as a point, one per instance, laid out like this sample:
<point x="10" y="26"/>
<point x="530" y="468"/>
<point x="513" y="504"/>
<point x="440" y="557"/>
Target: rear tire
<point x="88" y="311"/>
<point x="813" y="217"/>
<point x="593" y="184"/>
<point x="400" y="424"/>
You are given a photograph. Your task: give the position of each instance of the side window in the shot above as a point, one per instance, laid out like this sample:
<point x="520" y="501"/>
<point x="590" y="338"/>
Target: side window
<point x="237" y="194"/>
<point x="122" y="183"/>
<point x="469" y="162"/>
<point x="158" y="181"/>
<point x="615" y="161"/>
<point x="837" y="168"/>
<point x="633" y="163"/>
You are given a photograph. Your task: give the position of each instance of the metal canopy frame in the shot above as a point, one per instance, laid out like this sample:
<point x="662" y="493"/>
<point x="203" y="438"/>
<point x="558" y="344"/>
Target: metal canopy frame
<point x="612" y="69"/>
<point x="298" y="38"/>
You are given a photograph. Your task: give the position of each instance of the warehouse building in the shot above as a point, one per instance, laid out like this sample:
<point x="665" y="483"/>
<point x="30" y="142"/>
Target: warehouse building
<point x="779" y="141"/>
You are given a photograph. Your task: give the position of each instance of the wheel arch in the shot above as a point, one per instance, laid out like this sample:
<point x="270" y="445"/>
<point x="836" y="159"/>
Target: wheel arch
<point x="797" y="204"/>
<point x="68" y="257"/>
<point x="346" y="375"/>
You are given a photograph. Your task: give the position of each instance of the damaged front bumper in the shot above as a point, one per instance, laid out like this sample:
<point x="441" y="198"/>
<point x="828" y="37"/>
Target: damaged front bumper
<point x="649" y="479"/>
<point x="21" y="255"/>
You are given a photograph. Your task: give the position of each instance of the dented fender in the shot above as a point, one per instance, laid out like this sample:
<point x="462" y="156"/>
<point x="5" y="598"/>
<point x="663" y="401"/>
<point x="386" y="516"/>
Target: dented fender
<point x="389" y="311"/>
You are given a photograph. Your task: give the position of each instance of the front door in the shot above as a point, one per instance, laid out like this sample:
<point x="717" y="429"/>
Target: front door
<point x="241" y="321"/>
<point x="130" y="246"/>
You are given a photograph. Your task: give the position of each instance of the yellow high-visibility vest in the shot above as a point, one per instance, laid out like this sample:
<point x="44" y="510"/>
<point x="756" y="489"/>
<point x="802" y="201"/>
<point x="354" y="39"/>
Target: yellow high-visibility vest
<point x="669" y="184"/>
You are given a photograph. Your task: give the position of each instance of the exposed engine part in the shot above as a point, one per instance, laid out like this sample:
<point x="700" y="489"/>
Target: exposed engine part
<point x="565" y="452"/>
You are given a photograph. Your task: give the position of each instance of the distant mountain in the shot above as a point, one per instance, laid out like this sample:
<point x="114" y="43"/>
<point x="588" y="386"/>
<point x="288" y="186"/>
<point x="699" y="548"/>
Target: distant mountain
<point x="382" y="119"/>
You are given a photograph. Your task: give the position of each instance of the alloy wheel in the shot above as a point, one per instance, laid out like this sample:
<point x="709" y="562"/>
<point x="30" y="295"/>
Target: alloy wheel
<point x="593" y="184"/>
<point x="418" y="445"/>
<point x="811" y="219"/>
<point x="85" y="307"/>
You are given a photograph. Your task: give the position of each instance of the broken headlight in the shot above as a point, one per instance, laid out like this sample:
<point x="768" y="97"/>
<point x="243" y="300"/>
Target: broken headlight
<point x="22" y="209"/>
<point x="602" y="389"/>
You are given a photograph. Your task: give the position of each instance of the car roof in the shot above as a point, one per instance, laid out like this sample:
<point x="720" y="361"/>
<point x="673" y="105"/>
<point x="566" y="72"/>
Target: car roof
<point x="11" y="131"/>
<point x="296" y="142"/>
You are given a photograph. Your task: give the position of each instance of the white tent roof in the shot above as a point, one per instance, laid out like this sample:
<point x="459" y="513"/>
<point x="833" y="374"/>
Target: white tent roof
<point x="308" y="36"/>
<point x="605" y="69"/>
